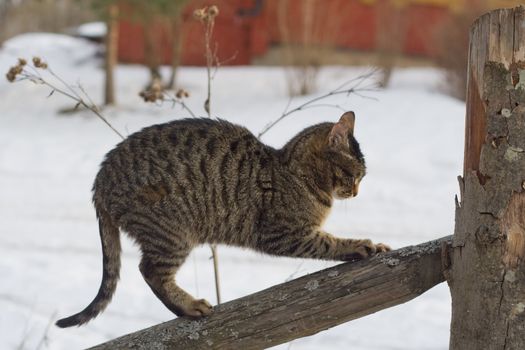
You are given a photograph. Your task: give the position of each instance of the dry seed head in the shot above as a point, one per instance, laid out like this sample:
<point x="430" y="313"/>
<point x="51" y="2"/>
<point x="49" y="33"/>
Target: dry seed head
<point x="22" y="62"/>
<point x="147" y="96"/>
<point x="155" y="87"/>
<point x="10" y="76"/>
<point x="152" y="95"/>
<point x="181" y="93"/>
<point x="200" y="14"/>
<point x="13" y="72"/>
<point x="38" y="63"/>
<point x="213" y="11"/>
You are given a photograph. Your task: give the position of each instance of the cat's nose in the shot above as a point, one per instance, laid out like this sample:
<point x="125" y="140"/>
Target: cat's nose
<point x="355" y="189"/>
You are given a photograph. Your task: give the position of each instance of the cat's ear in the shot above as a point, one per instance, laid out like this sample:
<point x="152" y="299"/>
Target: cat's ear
<point x="338" y="136"/>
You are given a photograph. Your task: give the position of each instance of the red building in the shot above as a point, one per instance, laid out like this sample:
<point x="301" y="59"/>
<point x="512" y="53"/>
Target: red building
<point x="246" y="29"/>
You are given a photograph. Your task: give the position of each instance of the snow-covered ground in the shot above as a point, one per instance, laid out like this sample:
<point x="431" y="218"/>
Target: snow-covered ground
<point x="50" y="260"/>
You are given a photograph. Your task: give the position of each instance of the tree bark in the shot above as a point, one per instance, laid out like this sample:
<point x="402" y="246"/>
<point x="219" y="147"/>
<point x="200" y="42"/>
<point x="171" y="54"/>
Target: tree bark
<point x="111" y="54"/>
<point x="176" y="21"/>
<point x="487" y="278"/>
<point x="151" y="46"/>
<point x="304" y="306"/>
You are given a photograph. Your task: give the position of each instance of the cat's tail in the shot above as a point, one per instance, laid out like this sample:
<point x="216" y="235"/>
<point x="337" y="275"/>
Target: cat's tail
<point x="110" y="238"/>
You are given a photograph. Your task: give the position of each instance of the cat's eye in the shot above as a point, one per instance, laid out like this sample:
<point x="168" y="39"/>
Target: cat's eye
<point x="342" y="172"/>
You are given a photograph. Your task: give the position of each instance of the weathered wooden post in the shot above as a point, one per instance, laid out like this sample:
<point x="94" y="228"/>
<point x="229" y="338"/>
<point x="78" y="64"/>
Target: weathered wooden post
<point x="487" y="278"/>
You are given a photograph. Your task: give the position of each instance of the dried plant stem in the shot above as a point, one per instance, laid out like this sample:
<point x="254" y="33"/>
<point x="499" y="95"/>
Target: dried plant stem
<point x="209" y="63"/>
<point x="356" y="89"/>
<point x="67" y="91"/>
<point x="45" y="337"/>
<point x="207" y="16"/>
<point x="215" y="258"/>
<point x="207" y="107"/>
<point x="174" y="100"/>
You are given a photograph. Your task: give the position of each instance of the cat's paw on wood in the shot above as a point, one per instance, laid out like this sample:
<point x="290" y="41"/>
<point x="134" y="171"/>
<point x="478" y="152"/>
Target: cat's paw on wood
<point x="365" y="248"/>
<point x="381" y="248"/>
<point x="198" y="308"/>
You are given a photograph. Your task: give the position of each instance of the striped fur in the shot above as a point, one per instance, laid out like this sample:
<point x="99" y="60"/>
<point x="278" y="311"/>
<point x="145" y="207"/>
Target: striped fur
<point x="174" y="186"/>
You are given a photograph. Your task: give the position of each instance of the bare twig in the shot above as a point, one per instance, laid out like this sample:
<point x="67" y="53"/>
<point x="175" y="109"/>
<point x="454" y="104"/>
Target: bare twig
<point x="209" y="63"/>
<point x="293" y="274"/>
<point x="45" y="335"/>
<point x="178" y="99"/>
<point x="207" y="16"/>
<point x="157" y="93"/>
<point x="25" y="335"/>
<point x="218" y="63"/>
<point x="326" y="105"/>
<point x="215" y="257"/>
<point x="356" y="89"/>
<point x="195" y="274"/>
<point x="22" y="71"/>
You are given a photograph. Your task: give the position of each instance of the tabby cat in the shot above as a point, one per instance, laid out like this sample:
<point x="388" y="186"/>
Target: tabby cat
<point x="177" y="185"/>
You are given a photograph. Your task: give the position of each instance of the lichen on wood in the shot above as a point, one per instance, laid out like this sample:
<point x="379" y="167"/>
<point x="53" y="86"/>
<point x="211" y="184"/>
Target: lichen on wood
<point x="303" y="306"/>
<point x="487" y="276"/>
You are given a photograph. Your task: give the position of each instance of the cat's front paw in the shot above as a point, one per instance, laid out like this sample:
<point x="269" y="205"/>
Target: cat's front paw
<point x="365" y="248"/>
<point x="381" y="248"/>
<point x="198" y="308"/>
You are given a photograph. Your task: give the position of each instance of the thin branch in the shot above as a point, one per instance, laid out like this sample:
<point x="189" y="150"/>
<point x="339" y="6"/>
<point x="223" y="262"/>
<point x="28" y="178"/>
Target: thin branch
<point x="327" y="105"/>
<point x="215" y="258"/>
<point x="218" y="63"/>
<point x="209" y="22"/>
<point x="355" y="89"/>
<point x="23" y="71"/>
<point x="207" y="16"/>
<point x="366" y="97"/>
<point x="45" y="336"/>
<point x="195" y="274"/>
<point x="287" y="105"/>
<point x="175" y="100"/>
<point x="158" y="95"/>
<point x="68" y="86"/>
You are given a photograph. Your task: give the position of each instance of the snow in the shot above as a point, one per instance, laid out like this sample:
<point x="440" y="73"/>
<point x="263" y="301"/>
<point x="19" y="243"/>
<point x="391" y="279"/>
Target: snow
<point x="91" y="30"/>
<point x="62" y="49"/>
<point x="50" y="264"/>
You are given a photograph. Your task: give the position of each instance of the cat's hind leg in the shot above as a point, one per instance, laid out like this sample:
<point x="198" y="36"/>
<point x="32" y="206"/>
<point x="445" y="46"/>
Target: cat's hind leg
<point x="163" y="253"/>
<point x="159" y="273"/>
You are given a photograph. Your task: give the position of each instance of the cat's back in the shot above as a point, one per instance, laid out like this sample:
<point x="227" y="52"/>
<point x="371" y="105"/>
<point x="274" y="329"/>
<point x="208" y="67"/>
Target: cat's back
<point x="197" y="155"/>
<point x="164" y="146"/>
<point x="186" y="134"/>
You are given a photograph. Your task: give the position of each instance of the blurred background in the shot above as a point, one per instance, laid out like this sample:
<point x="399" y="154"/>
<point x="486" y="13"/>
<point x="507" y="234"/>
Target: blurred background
<point x="272" y="56"/>
<point x="302" y="33"/>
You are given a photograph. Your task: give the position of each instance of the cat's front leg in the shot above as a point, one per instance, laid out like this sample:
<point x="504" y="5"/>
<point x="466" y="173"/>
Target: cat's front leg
<point x="357" y="249"/>
<point x="316" y="244"/>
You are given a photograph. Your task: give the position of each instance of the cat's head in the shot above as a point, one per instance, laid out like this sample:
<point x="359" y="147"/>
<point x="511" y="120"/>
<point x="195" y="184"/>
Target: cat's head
<point x="345" y="157"/>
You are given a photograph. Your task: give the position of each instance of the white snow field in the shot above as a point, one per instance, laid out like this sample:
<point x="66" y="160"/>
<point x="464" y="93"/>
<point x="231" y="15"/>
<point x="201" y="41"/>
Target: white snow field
<point x="50" y="259"/>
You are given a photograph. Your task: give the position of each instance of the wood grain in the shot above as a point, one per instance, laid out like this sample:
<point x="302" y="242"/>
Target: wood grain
<point x="303" y="306"/>
<point x="487" y="276"/>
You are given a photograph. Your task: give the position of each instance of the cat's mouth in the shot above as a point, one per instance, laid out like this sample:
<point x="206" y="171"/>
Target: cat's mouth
<point x="343" y="194"/>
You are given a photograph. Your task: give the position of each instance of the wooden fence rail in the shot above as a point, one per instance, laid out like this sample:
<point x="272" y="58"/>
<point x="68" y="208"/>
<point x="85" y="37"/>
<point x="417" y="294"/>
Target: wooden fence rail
<point x="303" y="306"/>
